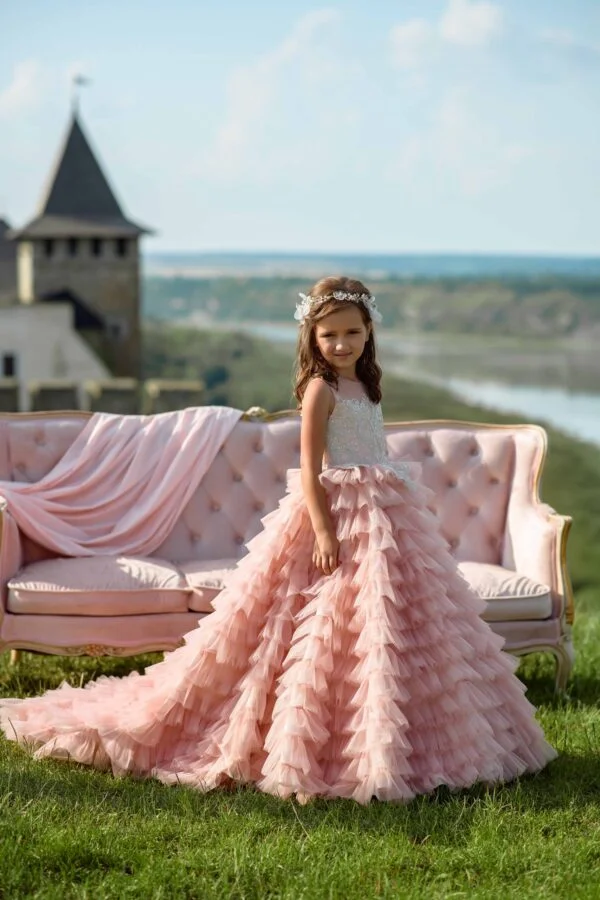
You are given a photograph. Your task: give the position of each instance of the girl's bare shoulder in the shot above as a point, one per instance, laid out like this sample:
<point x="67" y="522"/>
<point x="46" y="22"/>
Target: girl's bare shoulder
<point x="318" y="395"/>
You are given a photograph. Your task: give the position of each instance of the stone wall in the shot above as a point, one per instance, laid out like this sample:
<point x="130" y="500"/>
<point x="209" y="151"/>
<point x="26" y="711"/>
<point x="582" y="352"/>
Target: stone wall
<point x="107" y="283"/>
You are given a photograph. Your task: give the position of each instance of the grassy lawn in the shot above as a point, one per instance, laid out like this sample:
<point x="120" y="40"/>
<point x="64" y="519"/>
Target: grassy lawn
<point x="66" y="832"/>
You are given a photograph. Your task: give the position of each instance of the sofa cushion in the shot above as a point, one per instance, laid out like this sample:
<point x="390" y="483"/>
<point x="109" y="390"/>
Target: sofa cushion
<point x="509" y="595"/>
<point x="98" y="586"/>
<point x="205" y="577"/>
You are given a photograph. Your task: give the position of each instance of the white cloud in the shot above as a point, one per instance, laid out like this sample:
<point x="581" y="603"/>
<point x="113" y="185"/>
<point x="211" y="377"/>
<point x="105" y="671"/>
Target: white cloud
<point x="411" y="43"/>
<point x="24" y="90"/>
<point x="462" y="146"/>
<point x="470" y="22"/>
<point x="251" y="91"/>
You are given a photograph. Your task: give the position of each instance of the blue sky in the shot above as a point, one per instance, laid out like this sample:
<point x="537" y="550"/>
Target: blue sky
<point x="456" y="126"/>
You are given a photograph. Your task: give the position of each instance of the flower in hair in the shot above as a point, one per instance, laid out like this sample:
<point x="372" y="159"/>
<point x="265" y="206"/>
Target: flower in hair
<point x="307" y="302"/>
<point x="302" y="308"/>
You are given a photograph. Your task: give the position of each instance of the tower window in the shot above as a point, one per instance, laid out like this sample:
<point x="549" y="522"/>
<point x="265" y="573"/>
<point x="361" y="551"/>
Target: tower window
<point x="48" y="247"/>
<point x="121" y="247"/>
<point x="72" y="246"/>
<point x="116" y="328"/>
<point x="96" y="246"/>
<point x="9" y="365"/>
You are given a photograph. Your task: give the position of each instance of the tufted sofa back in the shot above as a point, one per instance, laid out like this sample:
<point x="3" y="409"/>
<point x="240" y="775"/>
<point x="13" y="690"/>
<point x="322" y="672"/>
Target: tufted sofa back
<point x="480" y="475"/>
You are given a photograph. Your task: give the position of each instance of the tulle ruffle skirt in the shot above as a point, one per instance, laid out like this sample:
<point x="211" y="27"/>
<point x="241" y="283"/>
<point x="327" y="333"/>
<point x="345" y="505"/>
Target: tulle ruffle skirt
<point x="380" y="680"/>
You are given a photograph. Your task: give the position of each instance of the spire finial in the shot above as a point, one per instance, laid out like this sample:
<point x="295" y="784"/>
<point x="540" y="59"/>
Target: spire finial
<point x="77" y="81"/>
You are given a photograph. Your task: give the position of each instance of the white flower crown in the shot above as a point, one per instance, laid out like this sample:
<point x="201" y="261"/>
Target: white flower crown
<point x="307" y="302"/>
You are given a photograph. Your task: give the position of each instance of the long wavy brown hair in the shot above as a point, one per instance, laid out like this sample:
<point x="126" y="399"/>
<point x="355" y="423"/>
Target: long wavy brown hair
<point x="310" y="363"/>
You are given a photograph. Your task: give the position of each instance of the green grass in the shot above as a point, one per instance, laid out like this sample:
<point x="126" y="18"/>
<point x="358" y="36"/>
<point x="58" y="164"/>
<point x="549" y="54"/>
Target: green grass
<point x="67" y="832"/>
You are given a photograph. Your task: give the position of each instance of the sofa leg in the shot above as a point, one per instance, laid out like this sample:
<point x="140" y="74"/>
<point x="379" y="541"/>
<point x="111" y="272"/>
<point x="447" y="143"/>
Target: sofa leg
<point x="565" y="657"/>
<point x="15" y="657"/>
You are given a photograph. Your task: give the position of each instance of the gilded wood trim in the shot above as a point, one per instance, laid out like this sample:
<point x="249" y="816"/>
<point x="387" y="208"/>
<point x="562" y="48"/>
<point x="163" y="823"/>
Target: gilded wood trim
<point x="95" y="650"/>
<point x="258" y="414"/>
<point x="564" y="571"/>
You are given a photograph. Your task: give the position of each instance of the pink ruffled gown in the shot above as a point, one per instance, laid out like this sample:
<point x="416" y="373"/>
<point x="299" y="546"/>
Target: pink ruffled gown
<point x="380" y="680"/>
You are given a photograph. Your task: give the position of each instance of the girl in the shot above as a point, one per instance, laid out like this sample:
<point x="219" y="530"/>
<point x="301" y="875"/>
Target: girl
<point x="346" y="656"/>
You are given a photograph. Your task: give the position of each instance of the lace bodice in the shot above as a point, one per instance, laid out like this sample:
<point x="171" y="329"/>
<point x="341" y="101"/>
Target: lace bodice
<point x="355" y="432"/>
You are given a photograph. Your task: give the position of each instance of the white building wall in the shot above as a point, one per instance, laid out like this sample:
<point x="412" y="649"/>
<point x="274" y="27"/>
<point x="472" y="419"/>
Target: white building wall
<point x="46" y="346"/>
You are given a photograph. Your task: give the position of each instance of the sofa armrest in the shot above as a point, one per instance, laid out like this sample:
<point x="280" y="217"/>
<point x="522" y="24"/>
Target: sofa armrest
<point x="535" y="545"/>
<point x="11" y="552"/>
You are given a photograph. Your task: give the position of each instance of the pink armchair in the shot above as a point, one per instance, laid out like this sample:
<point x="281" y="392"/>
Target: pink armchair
<point x="509" y="546"/>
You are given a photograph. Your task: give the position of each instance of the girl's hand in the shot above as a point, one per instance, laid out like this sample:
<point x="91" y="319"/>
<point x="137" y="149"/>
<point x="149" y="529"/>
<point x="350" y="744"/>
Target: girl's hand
<point x="326" y="552"/>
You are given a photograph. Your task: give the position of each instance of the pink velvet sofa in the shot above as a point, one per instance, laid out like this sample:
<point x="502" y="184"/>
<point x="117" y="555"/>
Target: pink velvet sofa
<point x="486" y="478"/>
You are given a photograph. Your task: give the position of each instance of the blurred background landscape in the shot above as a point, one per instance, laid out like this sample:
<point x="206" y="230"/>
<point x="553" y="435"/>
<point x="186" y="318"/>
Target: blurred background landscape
<point x="511" y="333"/>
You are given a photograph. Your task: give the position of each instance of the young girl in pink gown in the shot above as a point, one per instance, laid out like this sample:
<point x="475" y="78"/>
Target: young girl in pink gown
<point x="346" y="656"/>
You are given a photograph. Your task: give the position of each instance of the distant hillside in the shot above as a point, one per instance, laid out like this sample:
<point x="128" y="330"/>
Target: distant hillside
<point x="541" y="306"/>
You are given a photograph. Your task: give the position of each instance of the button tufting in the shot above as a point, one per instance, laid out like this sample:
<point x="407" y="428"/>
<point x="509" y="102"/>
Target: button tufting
<point x="279" y="478"/>
<point x="473" y="510"/>
<point x="453" y="543"/>
<point x="239" y="539"/>
<point x="258" y="447"/>
<point x="429" y="451"/>
<point x="258" y="506"/>
<point x="474" y="451"/>
<point x="214" y="506"/>
<point x="237" y="476"/>
<point x="494" y="480"/>
<point x="451" y="483"/>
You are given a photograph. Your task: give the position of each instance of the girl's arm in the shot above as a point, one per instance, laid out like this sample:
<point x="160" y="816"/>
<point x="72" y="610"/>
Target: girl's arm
<point x="317" y="406"/>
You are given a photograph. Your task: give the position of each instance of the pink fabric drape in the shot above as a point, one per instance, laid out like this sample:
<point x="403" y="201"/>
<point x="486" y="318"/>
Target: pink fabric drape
<point x="122" y="484"/>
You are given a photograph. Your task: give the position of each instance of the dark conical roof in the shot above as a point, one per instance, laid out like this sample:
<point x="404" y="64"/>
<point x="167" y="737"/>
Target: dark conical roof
<point x="78" y="200"/>
<point x="78" y="186"/>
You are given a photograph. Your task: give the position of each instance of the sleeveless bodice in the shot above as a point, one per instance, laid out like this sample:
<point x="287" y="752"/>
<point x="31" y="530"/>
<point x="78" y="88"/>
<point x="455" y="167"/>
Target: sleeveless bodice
<point x="355" y="434"/>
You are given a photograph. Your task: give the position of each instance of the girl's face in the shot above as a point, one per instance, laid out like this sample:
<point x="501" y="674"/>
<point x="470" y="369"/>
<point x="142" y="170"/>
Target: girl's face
<point x="341" y="337"/>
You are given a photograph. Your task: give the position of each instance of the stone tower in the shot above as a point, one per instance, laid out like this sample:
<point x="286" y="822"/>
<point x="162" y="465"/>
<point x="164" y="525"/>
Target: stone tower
<point x="81" y="248"/>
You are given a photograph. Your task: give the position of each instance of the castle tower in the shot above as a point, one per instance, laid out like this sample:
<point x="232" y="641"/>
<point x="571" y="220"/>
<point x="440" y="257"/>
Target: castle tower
<point x="81" y="248"/>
